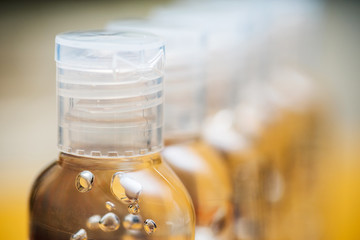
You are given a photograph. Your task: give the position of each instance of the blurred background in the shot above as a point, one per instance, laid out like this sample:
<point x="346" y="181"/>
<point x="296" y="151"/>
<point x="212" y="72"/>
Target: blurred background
<point x="28" y="123"/>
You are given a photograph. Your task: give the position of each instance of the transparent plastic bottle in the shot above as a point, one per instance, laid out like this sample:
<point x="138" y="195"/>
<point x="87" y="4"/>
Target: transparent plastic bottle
<point x="225" y="41"/>
<point x="261" y="132"/>
<point x="273" y="110"/>
<point x="292" y="51"/>
<point x="198" y="165"/>
<point x="110" y="181"/>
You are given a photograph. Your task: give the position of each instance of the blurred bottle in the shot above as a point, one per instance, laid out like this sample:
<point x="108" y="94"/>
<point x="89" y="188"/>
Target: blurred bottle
<point x="263" y="108"/>
<point x="226" y="27"/>
<point x="199" y="167"/>
<point x="336" y="194"/>
<point x="110" y="181"/>
<point x="290" y="138"/>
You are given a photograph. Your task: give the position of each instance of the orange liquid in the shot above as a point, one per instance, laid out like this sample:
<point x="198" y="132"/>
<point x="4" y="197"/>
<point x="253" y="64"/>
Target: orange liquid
<point x="58" y="209"/>
<point x="205" y="176"/>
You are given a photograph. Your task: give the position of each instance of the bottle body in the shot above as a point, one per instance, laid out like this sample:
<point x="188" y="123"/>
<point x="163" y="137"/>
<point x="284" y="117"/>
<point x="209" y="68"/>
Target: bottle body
<point x="272" y="175"/>
<point x="204" y="175"/>
<point x="291" y="171"/>
<point x="58" y="210"/>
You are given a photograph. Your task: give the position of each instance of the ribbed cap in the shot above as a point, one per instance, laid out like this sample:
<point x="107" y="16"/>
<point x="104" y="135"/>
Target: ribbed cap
<point x="110" y="93"/>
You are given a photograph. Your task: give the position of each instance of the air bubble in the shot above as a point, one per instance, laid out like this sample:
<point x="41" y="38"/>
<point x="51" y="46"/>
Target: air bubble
<point x="127" y="200"/>
<point x="84" y="181"/>
<point x="132" y="222"/>
<point x="132" y="187"/>
<point x="110" y="206"/>
<point x="149" y="226"/>
<point x="93" y="222"/>
<point x="134" y="208"/>
<point x="109" y="222"/>
<point x="126" y="189"/>
<point x="79" y="235"/>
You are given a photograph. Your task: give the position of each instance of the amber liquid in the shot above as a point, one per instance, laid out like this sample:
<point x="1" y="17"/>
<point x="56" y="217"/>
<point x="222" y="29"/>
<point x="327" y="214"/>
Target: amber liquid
<point x="244" y="166"/>
<point x="273" y="179"/>
<point x="206" y="178"/>
<point x="58" y="209"/>
<point x="338" y="193"/>
<point x="288" y="175"/>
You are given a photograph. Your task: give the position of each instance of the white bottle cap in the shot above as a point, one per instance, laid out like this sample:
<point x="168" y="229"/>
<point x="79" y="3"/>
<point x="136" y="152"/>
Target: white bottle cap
<point x="184" y="75"/>
<point x="224" y="39"/>
<point x="110" y="93"/>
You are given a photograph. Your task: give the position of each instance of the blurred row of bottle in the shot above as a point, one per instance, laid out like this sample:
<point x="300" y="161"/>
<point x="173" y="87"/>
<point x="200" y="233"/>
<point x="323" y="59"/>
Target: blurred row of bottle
<point x="240" y="127"/>
<point x="242" y="104"/>
<point x="243" y="125"/>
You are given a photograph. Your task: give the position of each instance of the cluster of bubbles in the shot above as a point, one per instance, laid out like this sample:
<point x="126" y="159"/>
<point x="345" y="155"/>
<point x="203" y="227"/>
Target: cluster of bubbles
<point x="127" y="190"/>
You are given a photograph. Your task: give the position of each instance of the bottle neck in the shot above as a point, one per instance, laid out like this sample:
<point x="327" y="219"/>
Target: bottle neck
<point x="111" y="117"/>
<point x="124" y="163"/>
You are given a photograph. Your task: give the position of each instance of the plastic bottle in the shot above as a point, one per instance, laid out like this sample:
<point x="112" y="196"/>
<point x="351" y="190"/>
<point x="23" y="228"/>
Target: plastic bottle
<point x="199" y="166"/>
<point x="110" y="181"/>
<point x="225" y="41"/>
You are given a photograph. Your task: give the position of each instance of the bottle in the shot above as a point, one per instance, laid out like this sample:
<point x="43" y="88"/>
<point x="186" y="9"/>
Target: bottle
<point x="197" y="164"/>
<point x="223" y="28"/>
<point x="279" y="96"/>
<point x="110" y="181"/>
<point x="292" y="55"/>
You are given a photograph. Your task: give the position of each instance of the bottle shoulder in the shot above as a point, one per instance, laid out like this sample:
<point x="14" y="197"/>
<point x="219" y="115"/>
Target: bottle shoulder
<point x="200" y="164"/>
<point x="151" y="172"/>
<point x="196" y="156"/>
<point x="58" y="202"/>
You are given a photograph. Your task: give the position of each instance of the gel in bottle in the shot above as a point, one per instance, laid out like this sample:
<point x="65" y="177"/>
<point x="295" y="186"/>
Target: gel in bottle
<point x="109" y="181"/>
